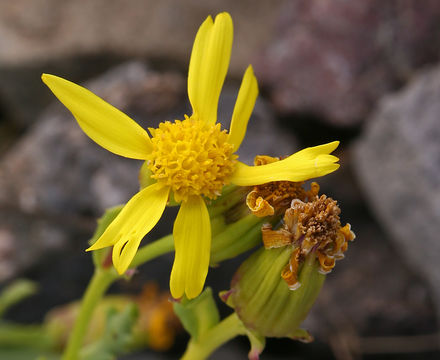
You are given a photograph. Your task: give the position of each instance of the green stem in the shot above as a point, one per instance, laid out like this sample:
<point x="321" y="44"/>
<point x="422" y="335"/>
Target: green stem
<point x="155" y="249"/>
<point x="206" y="344"/>
<point x="98" y="285"/>
<point x="32" y="336"/>
<point x="100" y="282"/>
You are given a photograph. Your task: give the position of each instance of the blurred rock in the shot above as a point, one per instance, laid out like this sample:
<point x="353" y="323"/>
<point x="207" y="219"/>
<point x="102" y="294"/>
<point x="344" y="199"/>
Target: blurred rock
<point x="374" y="291"/>
<point x="264" y="135"/>
<point x="56" y="168"/>
<point x="398" y="165"/>
<point x="37" y="30"/>
<point x="23" y="95"/>
<point x="55" y="179"/>
<point x="82" y="40"/>
<point x="335" y="59"/>
<point x="25" y="238"/>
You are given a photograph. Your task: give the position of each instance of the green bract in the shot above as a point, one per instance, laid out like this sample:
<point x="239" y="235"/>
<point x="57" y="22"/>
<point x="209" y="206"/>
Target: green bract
<point x="263" y="300"/>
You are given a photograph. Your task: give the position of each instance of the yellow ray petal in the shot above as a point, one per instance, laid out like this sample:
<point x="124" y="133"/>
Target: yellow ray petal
<point x="135" y="220"/>
<point x="102" y="122"/>
<point x="247" y="95"/>
<point x="208" y="66"/>
<point x="195" y="63"/>
<point x="312" y="152"/>
<point x="192" y="242"/>
<point x="305" y="164"/>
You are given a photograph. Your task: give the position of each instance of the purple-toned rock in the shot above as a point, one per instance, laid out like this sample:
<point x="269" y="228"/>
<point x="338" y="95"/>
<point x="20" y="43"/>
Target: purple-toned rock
<point x="55" y="167"/>
<point x="397" y="161"/>
<point x="264" y="135"/>
<point x="55" y="181"/>
<point x="33" y="31"/>
<point x="335" y="58"/>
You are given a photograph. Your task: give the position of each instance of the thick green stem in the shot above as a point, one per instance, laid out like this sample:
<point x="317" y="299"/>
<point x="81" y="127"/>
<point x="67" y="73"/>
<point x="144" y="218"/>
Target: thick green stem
<point x="98" y="285"/>
<point x="155" y="249"/>
<point x="206" y="344"/>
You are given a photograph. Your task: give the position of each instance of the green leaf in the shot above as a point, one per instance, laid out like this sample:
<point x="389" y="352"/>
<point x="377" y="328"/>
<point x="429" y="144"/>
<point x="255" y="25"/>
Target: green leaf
<point x="198" y="315"/>
<point x="117" y="338"/>
<point x="26" y="354"/>
<point x="14" y="293"/>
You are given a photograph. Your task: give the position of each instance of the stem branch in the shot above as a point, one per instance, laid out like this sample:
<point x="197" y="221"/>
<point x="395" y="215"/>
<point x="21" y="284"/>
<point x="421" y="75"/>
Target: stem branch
<point x="100" y="282"/>
<point x="98" y="285"/>
<point x="153" y="250"/>
<point x="206" y="344"/>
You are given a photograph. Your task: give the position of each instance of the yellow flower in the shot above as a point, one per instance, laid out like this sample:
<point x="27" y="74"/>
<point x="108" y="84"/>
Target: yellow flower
<point x="191" y="159"/>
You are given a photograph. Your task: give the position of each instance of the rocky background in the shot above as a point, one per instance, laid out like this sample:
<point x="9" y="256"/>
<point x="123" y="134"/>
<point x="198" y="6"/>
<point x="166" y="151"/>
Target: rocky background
<point x="364" y="72"/>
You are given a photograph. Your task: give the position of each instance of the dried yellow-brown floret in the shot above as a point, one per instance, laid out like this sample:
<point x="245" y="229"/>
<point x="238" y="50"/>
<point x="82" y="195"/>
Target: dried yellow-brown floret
<point x="275" y="197"/>
<point x="310" y="227"/>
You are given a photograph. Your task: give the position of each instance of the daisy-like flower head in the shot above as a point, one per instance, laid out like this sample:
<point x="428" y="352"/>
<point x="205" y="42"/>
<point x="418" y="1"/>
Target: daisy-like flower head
<point x="192" y="159"/>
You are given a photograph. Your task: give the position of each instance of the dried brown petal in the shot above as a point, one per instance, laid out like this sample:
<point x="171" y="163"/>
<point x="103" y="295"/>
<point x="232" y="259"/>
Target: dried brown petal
<point x="258" y="205"/>
<point x="290" y="271"/>
<point x="327" y="263"/>
<point x="275" y="238"/>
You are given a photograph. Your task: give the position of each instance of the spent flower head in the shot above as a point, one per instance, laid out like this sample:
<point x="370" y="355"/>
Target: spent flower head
<point x="274" y="289"/>
<point x="187" y="160"/>
<point x="310" y="227"/>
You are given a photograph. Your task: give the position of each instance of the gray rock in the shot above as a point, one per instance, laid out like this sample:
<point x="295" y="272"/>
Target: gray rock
<point x="55" y="181"/>
<point x="56" y="168"/>
<point x="264" y="136"/>
<point x="40" y="30"/>
<point x="84" y="39"/>
<point x="372" y="291"/>
<point x="397" y="162"/>
<point x="335" y="59"/>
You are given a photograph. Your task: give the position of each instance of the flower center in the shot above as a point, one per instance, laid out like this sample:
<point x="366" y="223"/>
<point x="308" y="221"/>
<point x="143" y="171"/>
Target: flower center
<point x="191" y="157"/>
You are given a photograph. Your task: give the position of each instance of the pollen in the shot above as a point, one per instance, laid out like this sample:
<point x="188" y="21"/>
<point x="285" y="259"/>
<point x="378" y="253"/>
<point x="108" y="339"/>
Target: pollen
<point x="191" y="158"/>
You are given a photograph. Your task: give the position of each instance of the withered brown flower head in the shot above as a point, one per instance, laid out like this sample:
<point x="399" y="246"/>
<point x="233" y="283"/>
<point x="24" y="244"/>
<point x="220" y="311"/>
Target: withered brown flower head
<point x="317" y="222"/>
<point x="274" y="198"/>
<point x="314" y="228"/>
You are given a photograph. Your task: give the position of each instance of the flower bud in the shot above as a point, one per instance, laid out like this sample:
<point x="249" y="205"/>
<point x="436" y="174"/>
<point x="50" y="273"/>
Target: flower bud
<point x="273" y="290"/>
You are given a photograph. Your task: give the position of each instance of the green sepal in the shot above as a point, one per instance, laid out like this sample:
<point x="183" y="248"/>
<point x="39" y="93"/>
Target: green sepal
<point x="263" y="301"/>
<point x="218" y="225"/>
<point x="301" y="335"/>
<point x="145" y="178"/>
<point x="198" y="315"/>
<point x="236" y="238"/>
<point x="232" y="196"/>
<point x="171" y="201"/>
<point x="258" y="342"/>
<point x="100" y="255"/>
<point x="117" y="338"/>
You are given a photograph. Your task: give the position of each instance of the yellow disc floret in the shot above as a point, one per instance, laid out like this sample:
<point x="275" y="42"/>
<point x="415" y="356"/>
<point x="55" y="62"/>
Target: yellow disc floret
<point x="191" y="157"/>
